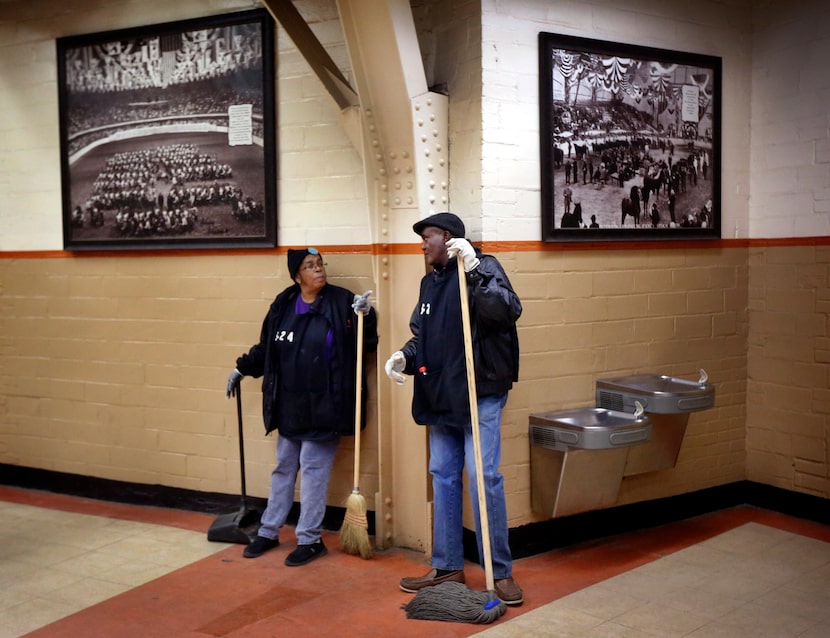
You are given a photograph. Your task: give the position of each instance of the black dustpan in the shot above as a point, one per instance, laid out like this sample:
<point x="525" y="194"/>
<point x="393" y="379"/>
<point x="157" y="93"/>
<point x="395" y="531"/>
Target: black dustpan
<point x="235" y="527"/>
<point x="240" y="526"/>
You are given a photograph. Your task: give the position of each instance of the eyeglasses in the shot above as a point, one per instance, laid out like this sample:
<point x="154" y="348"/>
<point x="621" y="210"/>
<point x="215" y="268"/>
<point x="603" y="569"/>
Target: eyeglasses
<point x="321" y="265"/>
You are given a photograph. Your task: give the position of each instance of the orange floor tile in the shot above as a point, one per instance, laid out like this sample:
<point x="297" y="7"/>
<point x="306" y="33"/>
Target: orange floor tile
<point x="225" y="594"/>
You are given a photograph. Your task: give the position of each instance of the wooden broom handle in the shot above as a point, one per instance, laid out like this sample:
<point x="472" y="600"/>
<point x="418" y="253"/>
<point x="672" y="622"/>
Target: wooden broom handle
<point x="358" y="404"/>
<point x="471" y="391"/>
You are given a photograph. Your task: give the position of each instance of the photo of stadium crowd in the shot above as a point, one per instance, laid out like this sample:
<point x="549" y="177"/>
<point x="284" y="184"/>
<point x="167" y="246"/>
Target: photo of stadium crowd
<point x="630" y="141"/>
<point x="167" y="135"/>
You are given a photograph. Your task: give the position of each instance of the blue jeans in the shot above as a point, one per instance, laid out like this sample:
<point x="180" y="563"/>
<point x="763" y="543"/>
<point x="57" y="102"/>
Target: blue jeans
<point x="316" y="459"/>
<point x="450" y="449"/>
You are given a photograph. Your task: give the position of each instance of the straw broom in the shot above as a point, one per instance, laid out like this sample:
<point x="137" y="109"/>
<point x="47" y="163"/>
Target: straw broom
<point x="354" y="534"/>
<point x="453" y="601"/>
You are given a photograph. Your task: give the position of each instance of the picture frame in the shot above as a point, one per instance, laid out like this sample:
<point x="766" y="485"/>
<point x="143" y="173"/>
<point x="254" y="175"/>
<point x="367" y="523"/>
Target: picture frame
<point x="167" y="135"/>
<point x="630" y="141"/>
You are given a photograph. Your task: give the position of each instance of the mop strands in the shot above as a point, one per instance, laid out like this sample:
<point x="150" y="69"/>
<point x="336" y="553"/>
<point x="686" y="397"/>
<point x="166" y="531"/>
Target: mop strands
<point x="454" y="602"/>
<point x="354" y="534"/>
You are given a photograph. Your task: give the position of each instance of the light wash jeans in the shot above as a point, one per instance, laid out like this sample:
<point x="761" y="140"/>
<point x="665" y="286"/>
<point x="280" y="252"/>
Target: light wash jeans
<point x="315" y="459"/>
<point x="451" y="448"/>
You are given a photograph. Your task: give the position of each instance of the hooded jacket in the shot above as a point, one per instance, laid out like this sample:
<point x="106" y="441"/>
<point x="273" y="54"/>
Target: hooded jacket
<point x="306" y="396"/>
<point x="435" y="354"/>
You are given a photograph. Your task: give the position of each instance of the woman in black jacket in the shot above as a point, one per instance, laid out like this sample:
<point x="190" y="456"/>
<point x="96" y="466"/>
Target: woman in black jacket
<point x="306" y="355"/>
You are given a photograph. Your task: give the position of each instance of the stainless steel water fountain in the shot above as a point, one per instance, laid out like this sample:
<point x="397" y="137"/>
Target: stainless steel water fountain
<point x="577" y="457"/>
<point x="667" y="401"/>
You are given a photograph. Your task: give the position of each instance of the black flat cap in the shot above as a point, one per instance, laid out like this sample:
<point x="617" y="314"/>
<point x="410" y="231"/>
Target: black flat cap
<point x="444" y="221"/>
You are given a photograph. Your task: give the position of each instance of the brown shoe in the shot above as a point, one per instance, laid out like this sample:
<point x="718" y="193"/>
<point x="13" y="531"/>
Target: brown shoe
<point x="509" y="592"/>
<point x="412" y="584"/>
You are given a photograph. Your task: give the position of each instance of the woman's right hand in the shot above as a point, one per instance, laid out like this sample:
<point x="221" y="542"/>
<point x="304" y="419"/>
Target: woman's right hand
<point x="233" y="383"/>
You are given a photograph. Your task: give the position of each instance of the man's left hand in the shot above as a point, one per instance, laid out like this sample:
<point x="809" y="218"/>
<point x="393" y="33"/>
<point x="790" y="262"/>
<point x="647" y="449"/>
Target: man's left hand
<point x="463" y="249"/>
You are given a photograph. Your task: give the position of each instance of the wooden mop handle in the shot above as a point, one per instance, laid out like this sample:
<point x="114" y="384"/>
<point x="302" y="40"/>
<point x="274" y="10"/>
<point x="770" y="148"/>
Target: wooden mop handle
<point x="471" y="391"/>
<point x="358" y="404"/>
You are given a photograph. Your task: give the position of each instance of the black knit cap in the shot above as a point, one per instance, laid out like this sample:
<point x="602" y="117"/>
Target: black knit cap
<point x="444" y="221"/>
<point x="295" y="259"/>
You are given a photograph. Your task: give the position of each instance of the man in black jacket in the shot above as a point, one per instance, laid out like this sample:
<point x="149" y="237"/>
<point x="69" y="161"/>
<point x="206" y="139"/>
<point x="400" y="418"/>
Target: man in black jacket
<point x="435" y="356"/>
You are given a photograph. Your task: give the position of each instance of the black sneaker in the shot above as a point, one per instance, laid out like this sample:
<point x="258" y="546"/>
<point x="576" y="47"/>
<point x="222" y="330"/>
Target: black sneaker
<point x="259" y="546"/>
<point x="305" y="554"/>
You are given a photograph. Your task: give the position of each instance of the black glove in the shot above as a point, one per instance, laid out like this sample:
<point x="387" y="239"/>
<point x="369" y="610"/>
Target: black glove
<point x="233" y="383"/>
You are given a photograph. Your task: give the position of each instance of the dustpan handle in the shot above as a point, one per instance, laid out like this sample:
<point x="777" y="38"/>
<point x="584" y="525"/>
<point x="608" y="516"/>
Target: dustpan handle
<point x="241" y="442"/>
<point x="471" y="391"/>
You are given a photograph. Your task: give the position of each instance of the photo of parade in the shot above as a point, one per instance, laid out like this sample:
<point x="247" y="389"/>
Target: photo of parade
<point x="630" y="142"/>
<point x="164" y="134"/>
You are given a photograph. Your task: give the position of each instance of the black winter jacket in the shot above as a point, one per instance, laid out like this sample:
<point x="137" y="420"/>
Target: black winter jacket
<point x="327" y="410"/>
<point x="435" y="353"/>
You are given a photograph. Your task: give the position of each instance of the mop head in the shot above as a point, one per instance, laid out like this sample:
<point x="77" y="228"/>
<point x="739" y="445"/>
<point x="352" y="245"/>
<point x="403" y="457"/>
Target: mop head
<point x="354" y="535"/>
<point x="454" y="602"/>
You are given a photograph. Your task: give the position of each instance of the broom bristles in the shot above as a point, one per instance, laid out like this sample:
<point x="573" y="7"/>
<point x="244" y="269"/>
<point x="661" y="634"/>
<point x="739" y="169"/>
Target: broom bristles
<point x="354" y="535"/>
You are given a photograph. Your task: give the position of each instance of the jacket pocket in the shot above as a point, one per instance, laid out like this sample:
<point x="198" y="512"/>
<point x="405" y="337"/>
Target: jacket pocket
<point x="441" y="393"/>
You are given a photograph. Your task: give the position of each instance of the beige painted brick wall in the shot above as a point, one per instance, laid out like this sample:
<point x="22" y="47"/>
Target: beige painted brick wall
<point x="788" y="416"/>
<point x="116" y="368"/>
<point x="590" y="315"/>
<point x="121" y="373"/>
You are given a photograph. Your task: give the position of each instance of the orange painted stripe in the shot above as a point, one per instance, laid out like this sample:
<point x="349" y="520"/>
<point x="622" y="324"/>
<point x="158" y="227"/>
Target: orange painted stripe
<point x="414" y="248"/>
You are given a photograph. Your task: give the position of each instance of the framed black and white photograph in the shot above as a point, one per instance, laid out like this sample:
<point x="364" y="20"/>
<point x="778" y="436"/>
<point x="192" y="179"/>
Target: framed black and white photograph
<point x="630" y="141"/>
<point x="167" y="135"/>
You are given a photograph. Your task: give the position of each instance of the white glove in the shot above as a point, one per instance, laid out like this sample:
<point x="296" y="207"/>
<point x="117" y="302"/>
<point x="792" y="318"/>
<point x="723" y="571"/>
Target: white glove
<point x="361" y="303"/>
<point x="463" y="249"/>
<point x="233" y="383"/>
<point x="394" y="367"/>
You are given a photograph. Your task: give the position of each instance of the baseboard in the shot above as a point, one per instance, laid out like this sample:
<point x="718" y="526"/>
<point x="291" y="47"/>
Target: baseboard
<point x="150" y="495"/>
<point x="543" y="536"/>
<point x="526" y="540"/>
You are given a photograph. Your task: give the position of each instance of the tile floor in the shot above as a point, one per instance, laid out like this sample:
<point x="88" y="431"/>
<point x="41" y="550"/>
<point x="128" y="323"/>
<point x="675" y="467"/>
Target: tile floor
<point x="74" y="567"/>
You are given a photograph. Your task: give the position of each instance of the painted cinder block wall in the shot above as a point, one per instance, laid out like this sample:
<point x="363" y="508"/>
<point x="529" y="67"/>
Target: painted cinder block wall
<point x="113" y="366"/>
<point x="590" y="314"/>
<point x="788" y="412"/>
